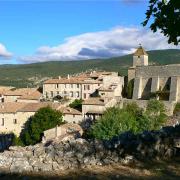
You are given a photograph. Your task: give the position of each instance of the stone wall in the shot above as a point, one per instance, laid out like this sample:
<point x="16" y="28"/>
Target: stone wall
<point x="79" y="153"/>
<point x="161" y="71"/>
<point x="143" y="104"/>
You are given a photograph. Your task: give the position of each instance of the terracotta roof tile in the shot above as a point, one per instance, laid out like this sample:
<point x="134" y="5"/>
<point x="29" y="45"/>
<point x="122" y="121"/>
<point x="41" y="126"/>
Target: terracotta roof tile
<point x="94" y="101"/>
<point x="33" y="107"/>
<point x="72" y="80"/>
<point x="68" y="110"/>
<point x="20" y="92"/>
<point x="11" y="107"/>
<point x="36" y="95"/>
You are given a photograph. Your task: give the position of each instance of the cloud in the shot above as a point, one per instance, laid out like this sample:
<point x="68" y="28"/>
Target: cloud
<point x="114" y="42"/>
<point x="4" y="54"/>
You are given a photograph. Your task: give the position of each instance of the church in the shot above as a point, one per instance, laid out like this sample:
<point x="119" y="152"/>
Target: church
<point x="162" y="81"/>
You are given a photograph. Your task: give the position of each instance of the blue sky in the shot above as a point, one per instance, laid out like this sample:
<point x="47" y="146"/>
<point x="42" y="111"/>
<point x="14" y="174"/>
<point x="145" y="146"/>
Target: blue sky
<point x="35" y="31"/>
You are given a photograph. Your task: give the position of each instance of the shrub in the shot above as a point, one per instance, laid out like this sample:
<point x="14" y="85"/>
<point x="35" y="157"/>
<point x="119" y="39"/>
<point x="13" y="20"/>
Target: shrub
<point x="76" y="104"/>
<point x="17" y="141"/>
<point x="177" y="108"/>
<point x="44" y="119"/>
<point x="155" y="112"/>
<point x="130" y="118"/>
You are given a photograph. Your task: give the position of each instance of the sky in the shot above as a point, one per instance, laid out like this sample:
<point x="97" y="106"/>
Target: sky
<point x="37" y="31"/>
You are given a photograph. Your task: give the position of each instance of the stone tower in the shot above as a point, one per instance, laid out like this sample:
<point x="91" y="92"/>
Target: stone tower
<point x="140" y="57"/>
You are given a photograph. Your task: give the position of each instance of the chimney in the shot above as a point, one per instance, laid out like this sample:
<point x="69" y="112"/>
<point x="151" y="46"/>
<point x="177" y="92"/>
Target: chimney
<point x="59" y="77"/>
<point x="68" y="76"/>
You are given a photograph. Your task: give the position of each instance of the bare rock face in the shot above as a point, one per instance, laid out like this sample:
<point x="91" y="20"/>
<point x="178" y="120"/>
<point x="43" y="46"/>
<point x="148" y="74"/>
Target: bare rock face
<point x="75" y="153"/>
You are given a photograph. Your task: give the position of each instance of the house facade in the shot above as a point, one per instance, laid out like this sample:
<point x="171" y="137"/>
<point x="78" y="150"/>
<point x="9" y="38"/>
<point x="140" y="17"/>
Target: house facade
<point x="14" y="115"/>
<point x="79" y="87"/>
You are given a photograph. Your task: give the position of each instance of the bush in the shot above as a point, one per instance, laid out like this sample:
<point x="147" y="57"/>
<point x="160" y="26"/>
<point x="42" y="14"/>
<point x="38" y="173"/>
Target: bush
<point x="17" y="141"/>
<point x="155" y="112"/>
<point x="130" y="118"/>
<point x="76" y="104"/>
<point x="44" y="119"/>
<point x="177" y="108"/>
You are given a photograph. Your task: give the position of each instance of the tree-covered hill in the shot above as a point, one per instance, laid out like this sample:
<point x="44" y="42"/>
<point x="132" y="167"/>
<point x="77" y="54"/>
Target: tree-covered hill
<point x="27" y="74"/>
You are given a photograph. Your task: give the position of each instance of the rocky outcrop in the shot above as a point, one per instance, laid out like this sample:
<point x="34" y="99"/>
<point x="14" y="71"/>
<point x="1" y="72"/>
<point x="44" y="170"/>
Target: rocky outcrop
<point x="76" y="153"/>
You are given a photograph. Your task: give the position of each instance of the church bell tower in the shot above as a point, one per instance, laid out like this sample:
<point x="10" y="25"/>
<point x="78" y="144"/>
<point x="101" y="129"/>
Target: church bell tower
<point x="140" y="57"/>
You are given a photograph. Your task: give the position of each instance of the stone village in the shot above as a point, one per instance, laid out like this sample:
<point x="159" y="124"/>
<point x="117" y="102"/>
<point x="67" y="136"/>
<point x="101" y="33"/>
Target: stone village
<point x="99" y="90"/>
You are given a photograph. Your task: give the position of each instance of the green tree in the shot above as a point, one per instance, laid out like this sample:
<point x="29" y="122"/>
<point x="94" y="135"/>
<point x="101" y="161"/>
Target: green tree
<point x="17" y="141"/>
<point x="112" y="123"/>
<point x="76" y="104"/>
<point x="130" y="118"/>
<point x="166" y="17"/>
<point x="44" y="119"/>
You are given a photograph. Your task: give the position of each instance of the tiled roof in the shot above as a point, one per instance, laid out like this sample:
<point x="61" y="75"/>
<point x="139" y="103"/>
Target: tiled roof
<point x="11" y="107"/>
<point x="68" y="110"/>
<point x="140" y="51"/>
<point x="3" y="89"/>
<point x="20" y="92"/>
<point x="94" y="101"/>
<point x="33" y="107"/>
<point x="72" y="80"/>
<point x="36" y="95"/>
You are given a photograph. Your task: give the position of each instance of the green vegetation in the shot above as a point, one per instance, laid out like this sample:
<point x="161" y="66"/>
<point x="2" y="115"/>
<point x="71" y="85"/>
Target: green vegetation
<point x="130" y="118"/>
<point x="166" y="17"/>
<point x="33" y="74"/>
<point x="44" y="119"/>
<point x="177" y="108"/>
<point x="76" y="104"/>
<point x="17" y="141"/>
<point x="130" y="88"/>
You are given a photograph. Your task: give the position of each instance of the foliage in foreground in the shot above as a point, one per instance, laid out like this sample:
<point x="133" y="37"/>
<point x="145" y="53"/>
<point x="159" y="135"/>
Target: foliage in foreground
<point x="166" y="17"/>
<point x="130" y="118"/>
<point x="44" y="119"/>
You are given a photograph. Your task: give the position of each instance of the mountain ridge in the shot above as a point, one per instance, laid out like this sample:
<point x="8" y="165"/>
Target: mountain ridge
<point x="22" y="75"/>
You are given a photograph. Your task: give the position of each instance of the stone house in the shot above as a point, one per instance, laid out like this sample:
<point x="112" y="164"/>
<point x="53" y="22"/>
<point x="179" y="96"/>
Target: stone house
<point x="13" y="115"/>
<point x="93" y="108"/>
<point x="4" y="89"/>
<point x="82" y="86"/>
<point x="22" y="95"/>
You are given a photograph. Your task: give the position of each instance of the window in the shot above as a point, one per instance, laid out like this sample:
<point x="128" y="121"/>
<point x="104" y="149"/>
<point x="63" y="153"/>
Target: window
<point x="77" y="85"/>
<point x="84" y="87"/>
<point x="71" y="94"/>
<point x="2" y="122"/>
<point x="56" y="86"/>
<point x="84" y="96"/>
<point x="15" y="121"/>
<point x="65" y="85"/>
<point x="77" y="94"/>
<point x="71" y="85"/>
<point x="51" y="93"/>
<point x="74" y="115"/>
<point x="88" y="87"/>
<point x="46" y="94"/>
